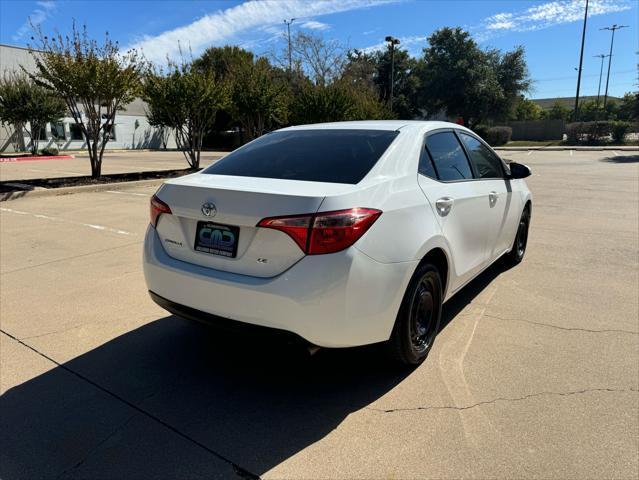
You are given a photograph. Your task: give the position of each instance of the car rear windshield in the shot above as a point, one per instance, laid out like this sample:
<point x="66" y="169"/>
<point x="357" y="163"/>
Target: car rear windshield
<point x="334" y="156"/>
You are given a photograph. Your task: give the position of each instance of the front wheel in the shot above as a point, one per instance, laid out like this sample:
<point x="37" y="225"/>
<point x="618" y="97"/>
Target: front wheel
<point x="517" y="252"/>
<point x="418" y="319"/>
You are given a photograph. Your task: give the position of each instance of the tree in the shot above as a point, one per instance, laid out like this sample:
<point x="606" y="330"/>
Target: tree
<point x="259" y="99"/>
<point x="323" y="61"/>
<point x="186" y="101"/>
<point x="375" y="69"/>
<point x="513" y="79"/>
<point x="457" y="77"/>
<point x="339" y="101"/>
<point x="95" y="80"/>
<point x="558" y="111"/>
<point x="526" y="109"/>
<point x="29" y="107"/>
<point x="222" y="60"/>
<point x="629" y="107"/>
<point x="589" y="111"/>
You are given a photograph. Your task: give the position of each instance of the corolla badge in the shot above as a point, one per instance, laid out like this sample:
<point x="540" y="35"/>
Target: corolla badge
<point x="209" y="209"/>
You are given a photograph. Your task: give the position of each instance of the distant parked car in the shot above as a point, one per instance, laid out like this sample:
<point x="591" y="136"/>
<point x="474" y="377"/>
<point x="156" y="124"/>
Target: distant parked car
<point x="342" y="234"/>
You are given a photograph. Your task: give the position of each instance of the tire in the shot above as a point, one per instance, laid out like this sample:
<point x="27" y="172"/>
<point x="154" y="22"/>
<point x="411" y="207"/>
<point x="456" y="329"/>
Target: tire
<point x="417" y="322"/>
<point x="518" y="250"/>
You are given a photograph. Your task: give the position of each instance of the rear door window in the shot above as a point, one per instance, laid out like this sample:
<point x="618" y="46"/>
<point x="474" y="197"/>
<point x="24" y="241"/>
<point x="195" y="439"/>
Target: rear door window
<point x="333" y="156"/>
<point x="448" y="156"/>
<point x="486" y="163"/>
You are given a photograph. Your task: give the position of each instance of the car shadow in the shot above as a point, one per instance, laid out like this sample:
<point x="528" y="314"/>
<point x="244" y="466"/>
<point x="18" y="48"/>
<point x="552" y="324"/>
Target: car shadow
<point x="173" y="399"/>
<point x="621" y="159"/>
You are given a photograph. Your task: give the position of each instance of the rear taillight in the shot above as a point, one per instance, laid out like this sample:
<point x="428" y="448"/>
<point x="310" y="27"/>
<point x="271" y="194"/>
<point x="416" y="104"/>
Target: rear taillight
<point x="325" y="232"/>
<point x="158" y="207"/>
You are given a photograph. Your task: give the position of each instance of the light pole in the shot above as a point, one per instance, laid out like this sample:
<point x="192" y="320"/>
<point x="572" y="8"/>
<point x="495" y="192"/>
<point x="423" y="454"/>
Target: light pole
<point x="290" y="57"/>
<point x="581" y="60"/>
<point x="602" y="56"/>
<point x="392" y="42"/>
<point x="612" y="28"/>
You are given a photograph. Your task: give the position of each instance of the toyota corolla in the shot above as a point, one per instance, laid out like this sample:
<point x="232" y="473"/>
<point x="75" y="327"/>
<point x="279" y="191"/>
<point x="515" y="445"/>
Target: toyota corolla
<point x="340" y="234"/>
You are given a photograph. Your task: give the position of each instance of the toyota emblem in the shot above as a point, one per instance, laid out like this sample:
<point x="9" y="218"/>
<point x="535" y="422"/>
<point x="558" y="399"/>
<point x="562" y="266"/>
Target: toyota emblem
<point x="209" y="210"/>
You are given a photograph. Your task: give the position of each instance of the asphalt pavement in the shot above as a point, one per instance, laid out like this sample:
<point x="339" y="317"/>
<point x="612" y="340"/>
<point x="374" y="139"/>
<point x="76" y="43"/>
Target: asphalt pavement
<point x="535" y="372"/>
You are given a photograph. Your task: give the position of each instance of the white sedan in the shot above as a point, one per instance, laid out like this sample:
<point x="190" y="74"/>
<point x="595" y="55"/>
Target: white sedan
<point x="340" y="234"/>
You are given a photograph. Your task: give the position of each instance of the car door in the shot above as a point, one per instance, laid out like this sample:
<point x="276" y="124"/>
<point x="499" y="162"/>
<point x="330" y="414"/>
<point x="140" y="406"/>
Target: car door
<point x="491" y="175"/>
<point x="460" y="203"/>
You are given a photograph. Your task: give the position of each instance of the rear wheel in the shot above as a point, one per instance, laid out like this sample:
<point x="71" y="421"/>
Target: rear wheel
<point x="516" y="254"/>
<point x="418" y="320"/>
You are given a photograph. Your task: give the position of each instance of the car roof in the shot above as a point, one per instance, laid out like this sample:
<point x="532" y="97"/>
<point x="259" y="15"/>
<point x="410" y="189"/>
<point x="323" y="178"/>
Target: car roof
<point x="424" y="125"/>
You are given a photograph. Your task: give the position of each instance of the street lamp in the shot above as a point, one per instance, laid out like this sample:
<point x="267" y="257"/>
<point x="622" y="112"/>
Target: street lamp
<point x="612" y="28"/>
<point x="392" y="42"/>
<point x="290" y="57"/>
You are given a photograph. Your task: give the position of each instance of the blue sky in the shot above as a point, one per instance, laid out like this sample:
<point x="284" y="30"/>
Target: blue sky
<point x="549" y="30"/>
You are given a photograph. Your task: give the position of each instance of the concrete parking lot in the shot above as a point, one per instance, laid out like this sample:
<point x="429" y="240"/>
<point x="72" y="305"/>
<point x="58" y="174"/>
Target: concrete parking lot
<point x="535" y="372"/>
<point x="113" y="162"/>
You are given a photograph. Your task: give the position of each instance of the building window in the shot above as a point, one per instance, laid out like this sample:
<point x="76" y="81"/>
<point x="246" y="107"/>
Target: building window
<point x="43" y="132"/>
<point x="57" y="131"/>
<point x="75" y="131"/>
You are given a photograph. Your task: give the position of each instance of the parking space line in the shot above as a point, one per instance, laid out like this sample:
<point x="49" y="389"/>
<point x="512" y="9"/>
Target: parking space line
<point x="571" y="153"/>
<point x="128" y="193"/>
<point x="529" y="152"/>
<point x="614" y="152"/>
<point x="64" y="220"/>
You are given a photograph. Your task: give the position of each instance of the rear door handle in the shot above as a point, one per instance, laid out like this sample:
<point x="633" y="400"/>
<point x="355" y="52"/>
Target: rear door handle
<point x="492" y="198"/>
<point x="444" y="205"/>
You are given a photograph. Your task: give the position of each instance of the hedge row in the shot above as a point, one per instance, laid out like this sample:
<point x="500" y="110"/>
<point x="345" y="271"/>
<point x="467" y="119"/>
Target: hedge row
<point x="494" y="135"/>
<point x="597" y="132"/>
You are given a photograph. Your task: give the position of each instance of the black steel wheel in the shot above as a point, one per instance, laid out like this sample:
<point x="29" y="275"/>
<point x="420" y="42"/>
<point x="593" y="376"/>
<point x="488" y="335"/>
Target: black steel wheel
<point x="516" y="254"/>
<point x="418" y="320"/>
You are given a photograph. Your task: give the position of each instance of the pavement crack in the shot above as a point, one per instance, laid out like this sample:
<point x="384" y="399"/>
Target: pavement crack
<point x="502" y="399"/>
<point x="239" y="471"/>
<point x="569" y="329"/>
<point x="62" y="330"/>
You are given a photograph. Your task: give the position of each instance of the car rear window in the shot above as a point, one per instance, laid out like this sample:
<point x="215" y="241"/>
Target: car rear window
<point x="334" y="156"/>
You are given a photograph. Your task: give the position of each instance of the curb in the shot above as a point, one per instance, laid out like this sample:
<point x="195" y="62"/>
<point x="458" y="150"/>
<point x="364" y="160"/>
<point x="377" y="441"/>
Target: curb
<point x="54" y="192"/>
<point x="623" y="148"/>
<point x="35" y="159"/>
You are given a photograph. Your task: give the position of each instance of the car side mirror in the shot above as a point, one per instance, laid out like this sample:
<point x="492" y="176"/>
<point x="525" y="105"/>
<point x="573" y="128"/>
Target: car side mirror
<point x="518" y="170"/>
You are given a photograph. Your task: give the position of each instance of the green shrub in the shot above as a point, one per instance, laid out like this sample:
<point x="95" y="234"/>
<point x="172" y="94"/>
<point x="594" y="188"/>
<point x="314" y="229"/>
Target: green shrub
<point x="481" y="130"/>
<point x="619" y="130"/>
<point x="573" y="132"/>
<point x="50" y="151"/>
<point x="588" y="132"/>
<point x="498" y="135"/>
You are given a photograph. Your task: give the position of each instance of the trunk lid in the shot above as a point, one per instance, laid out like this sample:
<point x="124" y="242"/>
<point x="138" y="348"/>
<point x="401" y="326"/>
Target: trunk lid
<point x="240" y="203"/>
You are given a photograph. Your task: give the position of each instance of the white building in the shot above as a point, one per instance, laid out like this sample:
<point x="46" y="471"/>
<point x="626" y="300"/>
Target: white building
<point x="131" y="129"/>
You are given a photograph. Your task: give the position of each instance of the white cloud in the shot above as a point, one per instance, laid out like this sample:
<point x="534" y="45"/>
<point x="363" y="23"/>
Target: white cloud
<point x="315" y="25"/>
<point x="224" y="25"/>
<point x="45" y="9"/>
<point x="501" y="21"/>
<point x="546" y="15"/>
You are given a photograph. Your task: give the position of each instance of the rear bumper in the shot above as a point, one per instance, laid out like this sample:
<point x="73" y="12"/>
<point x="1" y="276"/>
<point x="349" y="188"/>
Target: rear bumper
<point x="188" y="313"/>
<point x="338" y="300"/>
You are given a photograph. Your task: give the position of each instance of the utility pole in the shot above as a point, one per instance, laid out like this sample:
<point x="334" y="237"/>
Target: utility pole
<point x="581" y="60"/>
<point x="290" y="56"/>
<point x="612" y="28"/>
<point x="602" y="56"/>
<point x="392" y="42"/>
